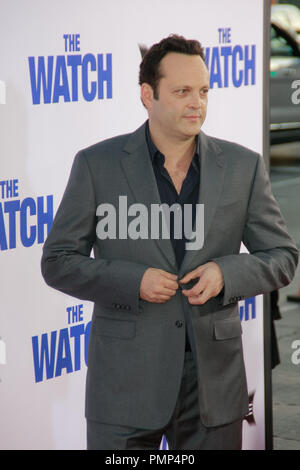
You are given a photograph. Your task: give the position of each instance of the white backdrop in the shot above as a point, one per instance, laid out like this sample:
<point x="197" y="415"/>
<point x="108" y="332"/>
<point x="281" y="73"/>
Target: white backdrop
<point x="92" y="50"/>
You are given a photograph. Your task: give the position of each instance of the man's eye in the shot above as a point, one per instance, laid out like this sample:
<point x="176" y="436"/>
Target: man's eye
<point x="181" y="91"/>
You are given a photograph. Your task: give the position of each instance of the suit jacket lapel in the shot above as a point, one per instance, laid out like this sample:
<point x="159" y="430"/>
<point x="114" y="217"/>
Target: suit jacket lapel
<point x="212" y="170"/>
<point x="141" y="179"/>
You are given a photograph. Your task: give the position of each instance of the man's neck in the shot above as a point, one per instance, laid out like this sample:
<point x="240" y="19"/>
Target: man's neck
<point x="177" y="152"/>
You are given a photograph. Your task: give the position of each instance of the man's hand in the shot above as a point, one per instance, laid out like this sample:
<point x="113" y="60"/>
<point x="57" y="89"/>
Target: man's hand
<point x="210" y="283"/>
<point x="158" y="286"/>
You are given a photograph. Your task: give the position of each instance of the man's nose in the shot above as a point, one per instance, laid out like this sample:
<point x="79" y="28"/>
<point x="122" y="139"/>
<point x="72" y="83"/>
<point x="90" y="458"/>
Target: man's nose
<point x="196" y="101"/>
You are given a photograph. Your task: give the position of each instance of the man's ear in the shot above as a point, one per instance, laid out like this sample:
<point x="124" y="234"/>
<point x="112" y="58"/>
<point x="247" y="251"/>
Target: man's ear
<point x="147" y="95"/>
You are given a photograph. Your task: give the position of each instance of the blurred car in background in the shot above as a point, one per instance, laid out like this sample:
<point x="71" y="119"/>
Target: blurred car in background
<point x="284" y="85"/>
<point x="288" y="16"/>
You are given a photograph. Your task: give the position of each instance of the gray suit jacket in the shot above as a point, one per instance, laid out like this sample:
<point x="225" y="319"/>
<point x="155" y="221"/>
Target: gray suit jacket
<point x="136" y="348"/>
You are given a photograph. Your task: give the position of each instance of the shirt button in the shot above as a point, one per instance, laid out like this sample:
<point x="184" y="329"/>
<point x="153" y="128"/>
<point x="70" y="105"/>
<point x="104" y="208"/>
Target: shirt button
<point x="179" y="323"/>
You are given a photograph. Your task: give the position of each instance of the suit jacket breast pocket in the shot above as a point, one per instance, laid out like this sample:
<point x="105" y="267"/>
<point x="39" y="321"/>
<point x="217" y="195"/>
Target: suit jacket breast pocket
<point x="229" y="215"/>
<point x="229" y="208"/>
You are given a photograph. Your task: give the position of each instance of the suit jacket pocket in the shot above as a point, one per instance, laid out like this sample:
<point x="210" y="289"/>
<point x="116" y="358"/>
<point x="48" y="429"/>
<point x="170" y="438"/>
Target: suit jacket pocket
<point x="227" y="219"/>
<point x="229" y="206"/>
<point x="227" y="328"/>
<point x="123" y="329"/>
<point x="229" y="210"/>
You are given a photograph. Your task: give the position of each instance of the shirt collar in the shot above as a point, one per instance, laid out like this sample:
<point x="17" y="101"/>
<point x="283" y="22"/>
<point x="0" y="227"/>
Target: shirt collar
<point x="153" y="150"/>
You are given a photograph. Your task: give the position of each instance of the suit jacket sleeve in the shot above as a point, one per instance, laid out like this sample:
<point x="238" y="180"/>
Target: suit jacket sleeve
<point x="67" y="264"/>
<point x="272" y="258"/>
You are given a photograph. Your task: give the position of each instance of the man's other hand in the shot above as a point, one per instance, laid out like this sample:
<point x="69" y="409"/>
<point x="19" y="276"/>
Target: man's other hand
<point x="210" y="283"/>
<point x="158" y="286"/>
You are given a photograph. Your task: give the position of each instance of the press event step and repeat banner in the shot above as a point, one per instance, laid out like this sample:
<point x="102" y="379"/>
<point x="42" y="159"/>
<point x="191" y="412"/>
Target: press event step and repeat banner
<point x="68" y="79"/>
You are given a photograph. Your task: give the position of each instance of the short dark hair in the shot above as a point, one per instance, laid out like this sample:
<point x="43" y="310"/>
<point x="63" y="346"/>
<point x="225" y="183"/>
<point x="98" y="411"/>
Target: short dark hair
<point x="150" y="66"/>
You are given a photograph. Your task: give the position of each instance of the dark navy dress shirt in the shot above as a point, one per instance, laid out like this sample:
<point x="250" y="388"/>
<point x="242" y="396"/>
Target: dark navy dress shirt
<point x="168" y="194"/>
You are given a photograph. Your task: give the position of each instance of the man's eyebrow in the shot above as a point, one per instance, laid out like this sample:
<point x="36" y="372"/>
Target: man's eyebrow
<point x="177" y="87"/>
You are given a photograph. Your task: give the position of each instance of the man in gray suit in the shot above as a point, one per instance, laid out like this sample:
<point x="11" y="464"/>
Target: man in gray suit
<point x="165" y="356"/>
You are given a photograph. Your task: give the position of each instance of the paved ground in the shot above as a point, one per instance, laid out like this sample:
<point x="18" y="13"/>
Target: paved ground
<point x="285" y="178"/>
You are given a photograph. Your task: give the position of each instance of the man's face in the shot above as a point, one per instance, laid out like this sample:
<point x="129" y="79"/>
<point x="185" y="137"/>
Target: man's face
<point x="180" y="109"/>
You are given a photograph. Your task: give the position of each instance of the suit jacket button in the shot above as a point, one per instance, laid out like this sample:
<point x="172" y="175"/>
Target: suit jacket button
<point x="179" y="323"/>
